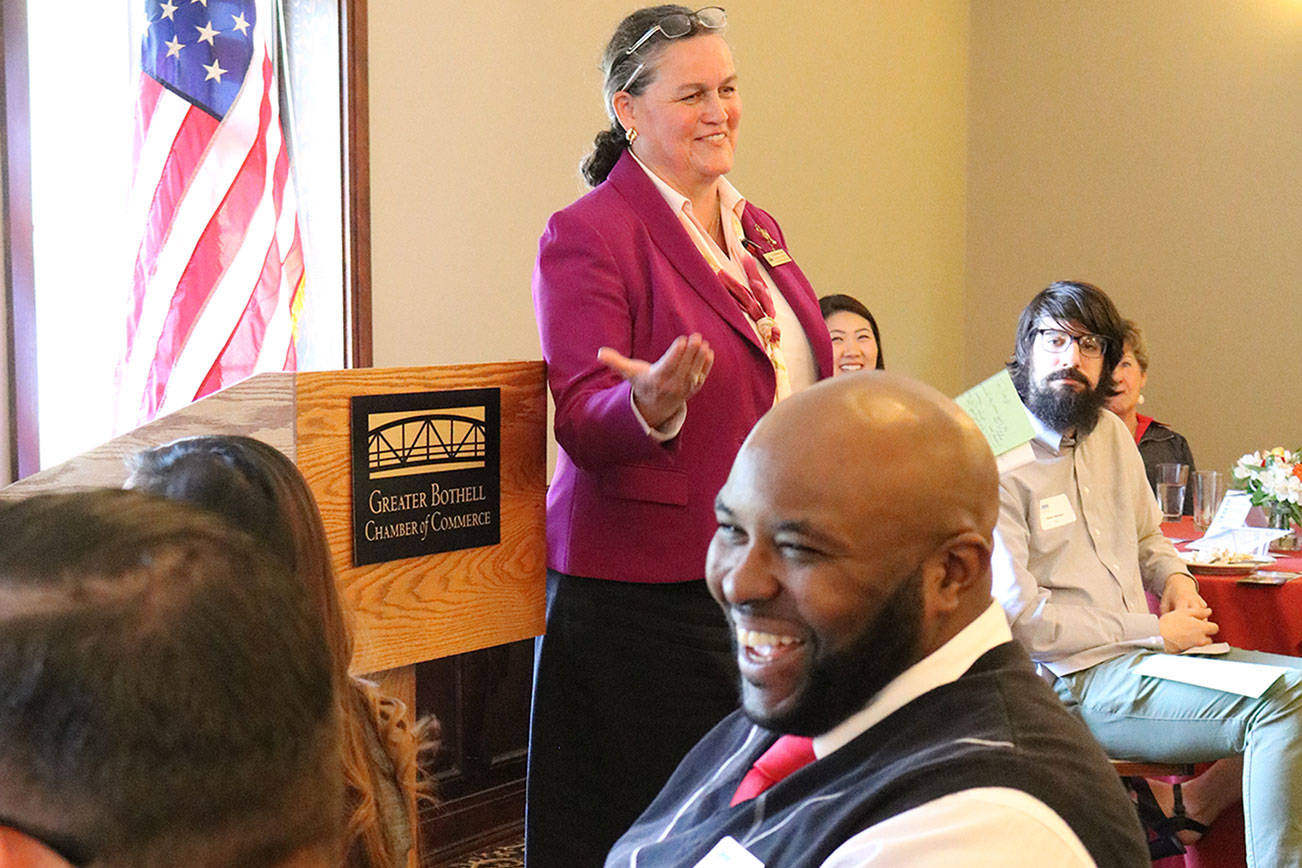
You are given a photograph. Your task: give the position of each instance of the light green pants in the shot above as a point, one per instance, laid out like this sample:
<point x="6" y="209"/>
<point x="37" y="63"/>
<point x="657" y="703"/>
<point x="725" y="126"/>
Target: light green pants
<point x="1138" y="717"/>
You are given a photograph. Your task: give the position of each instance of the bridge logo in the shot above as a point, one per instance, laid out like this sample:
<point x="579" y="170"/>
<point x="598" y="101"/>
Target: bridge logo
<point x="400" y="444"/>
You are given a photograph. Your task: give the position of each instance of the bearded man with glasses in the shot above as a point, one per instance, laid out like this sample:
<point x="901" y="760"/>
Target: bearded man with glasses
<point x="1078" y="541"/>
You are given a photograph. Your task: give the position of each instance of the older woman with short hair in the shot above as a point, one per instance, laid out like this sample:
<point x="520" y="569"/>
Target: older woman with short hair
<point x="671" y="316"/>
<point x="1158" y="443"/>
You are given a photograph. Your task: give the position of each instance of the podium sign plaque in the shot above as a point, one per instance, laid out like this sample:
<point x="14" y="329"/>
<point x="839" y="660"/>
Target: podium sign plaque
<point x="426" y="473"/>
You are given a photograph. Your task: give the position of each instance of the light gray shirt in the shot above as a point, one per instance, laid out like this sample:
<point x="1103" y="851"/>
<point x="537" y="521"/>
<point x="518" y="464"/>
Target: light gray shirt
<point x="1079" y="538"/>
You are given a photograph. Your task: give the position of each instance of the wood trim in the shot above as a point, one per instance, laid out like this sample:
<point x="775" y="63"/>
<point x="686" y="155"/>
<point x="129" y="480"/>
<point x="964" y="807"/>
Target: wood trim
<point x="455" y="829"/>
<point x="19" y="259"/>
<point x="357" y="184"/>
<point x="1143" y="769"/>
<point x="261" y="406"/>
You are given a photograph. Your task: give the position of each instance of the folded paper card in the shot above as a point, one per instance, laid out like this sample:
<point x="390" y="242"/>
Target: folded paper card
<point x="1229" y="530"/>
<point x="1230" y="676"/>
<point x="1232" y="513"/>
<point x="1242" y="540"/>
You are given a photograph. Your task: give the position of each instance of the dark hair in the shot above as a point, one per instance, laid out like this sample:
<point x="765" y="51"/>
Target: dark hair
<point x="1071" y="303"/>
<point x="168" y="697"/>
<point x="616" y="67"/>
<point x="257" y="487"/>
<point x="830" y="304"/>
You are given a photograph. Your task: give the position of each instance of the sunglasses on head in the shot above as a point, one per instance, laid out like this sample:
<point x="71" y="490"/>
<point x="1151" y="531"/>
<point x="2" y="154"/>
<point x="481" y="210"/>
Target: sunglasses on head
<point x="675" y="25"/>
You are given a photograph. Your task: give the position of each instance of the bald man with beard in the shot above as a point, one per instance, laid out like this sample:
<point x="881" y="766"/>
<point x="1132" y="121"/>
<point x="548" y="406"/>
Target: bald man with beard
<point x="887" y="716"/>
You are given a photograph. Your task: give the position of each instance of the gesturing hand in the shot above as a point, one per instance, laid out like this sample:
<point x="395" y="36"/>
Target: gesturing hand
<point x="663" y="386"/>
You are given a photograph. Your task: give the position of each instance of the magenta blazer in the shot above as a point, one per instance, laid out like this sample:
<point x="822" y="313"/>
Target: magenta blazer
<point x="617" y="269"/>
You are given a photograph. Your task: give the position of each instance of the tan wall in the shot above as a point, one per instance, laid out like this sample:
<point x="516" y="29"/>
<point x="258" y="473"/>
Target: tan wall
<point x="853" y="135"/>
<point x="941" y="168"/>
<point x="1155" y="149"/>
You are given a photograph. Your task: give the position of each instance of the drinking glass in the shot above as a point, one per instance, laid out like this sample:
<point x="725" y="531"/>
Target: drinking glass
<point x="1171" y="480"/>
<point x="1209" y="489"/>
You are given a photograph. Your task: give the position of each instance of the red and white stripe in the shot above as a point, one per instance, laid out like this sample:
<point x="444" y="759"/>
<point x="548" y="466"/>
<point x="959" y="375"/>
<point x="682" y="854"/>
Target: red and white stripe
<point x="219" y="258"/>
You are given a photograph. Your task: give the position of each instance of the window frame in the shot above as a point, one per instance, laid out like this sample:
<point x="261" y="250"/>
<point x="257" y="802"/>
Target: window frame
<point x="21" y="417"/>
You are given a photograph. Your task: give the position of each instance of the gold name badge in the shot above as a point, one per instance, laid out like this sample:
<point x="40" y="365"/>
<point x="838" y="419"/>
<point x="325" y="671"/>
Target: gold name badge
<point x="776" y="257"/>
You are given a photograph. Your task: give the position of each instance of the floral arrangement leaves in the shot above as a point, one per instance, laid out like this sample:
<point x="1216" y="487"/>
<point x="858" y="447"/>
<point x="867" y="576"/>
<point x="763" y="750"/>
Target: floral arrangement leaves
<point x="1273" y="479"/>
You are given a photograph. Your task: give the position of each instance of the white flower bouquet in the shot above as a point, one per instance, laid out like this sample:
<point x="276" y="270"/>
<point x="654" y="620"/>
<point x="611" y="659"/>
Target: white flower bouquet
<point x="1273" y="479"/>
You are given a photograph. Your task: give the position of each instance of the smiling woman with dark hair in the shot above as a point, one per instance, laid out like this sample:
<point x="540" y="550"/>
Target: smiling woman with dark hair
<point x="671" y="316"/>
<point x="856" y="342"/>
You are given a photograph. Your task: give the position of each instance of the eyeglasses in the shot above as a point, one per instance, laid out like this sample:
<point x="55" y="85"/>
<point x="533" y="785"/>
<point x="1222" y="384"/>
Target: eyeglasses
<point x="674" y="25"/>
<point x="1059" y="341"/>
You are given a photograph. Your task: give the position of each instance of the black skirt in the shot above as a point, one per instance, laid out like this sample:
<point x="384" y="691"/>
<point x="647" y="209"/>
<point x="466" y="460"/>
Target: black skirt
<point x="627" y="679"/>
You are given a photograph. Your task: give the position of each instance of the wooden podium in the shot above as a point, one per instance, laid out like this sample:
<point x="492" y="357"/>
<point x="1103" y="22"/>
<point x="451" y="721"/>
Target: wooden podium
<point x="403" y="611"/>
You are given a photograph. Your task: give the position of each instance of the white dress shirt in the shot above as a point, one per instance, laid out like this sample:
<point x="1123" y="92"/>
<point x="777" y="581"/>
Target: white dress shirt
<point x="797" y="351"/>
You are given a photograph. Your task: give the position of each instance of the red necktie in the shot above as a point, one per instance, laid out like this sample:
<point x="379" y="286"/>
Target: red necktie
<point x="787" y="754"/>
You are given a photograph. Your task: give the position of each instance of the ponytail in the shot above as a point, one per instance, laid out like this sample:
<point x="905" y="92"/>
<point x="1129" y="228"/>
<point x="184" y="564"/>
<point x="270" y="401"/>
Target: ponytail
<point x="606" y="150"/>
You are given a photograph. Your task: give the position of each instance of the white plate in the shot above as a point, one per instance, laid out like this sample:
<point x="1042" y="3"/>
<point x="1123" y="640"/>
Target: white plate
<point x="1236" y="568"/>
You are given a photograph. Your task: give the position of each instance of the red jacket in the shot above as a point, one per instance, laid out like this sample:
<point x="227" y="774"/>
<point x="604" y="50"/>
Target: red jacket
<point x="617" y="269"/>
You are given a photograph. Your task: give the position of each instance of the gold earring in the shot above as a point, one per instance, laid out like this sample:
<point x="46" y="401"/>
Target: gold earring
<point x="631" y="135"/>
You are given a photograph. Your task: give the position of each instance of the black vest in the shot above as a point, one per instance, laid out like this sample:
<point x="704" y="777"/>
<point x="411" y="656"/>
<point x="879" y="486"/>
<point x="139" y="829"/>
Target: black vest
<point x="999" y="725"/>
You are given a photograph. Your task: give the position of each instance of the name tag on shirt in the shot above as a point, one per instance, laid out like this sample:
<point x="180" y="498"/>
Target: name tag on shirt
<point x="1056" y="511"/>
<point x="729" y="854"/>
<point x="776" y="257"/>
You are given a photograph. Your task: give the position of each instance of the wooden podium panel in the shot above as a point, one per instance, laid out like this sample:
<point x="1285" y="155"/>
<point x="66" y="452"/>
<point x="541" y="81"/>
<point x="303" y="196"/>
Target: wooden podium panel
<point x="420" y="608"/>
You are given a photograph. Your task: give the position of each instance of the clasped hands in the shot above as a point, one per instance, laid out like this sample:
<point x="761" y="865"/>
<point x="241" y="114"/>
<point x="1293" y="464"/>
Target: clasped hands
<point x="662" y="387"/>
<point x="1185" y="618"/>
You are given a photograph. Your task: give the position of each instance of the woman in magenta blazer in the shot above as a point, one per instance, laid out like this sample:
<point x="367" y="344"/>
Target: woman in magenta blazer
<point x="671" y="317"/>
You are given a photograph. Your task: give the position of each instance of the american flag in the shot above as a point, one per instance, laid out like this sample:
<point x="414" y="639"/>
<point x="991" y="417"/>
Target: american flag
<point x="218" y="277"/>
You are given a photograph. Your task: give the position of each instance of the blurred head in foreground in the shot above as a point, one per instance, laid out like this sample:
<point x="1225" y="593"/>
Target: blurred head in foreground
<point x="168" y="697"/>
<point x="259" y="488"/>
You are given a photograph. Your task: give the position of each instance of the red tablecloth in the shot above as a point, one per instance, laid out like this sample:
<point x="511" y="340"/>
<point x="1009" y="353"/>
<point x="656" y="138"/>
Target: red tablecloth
<point x="1259" y="618"/>
<point x="1256" y="617"/>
